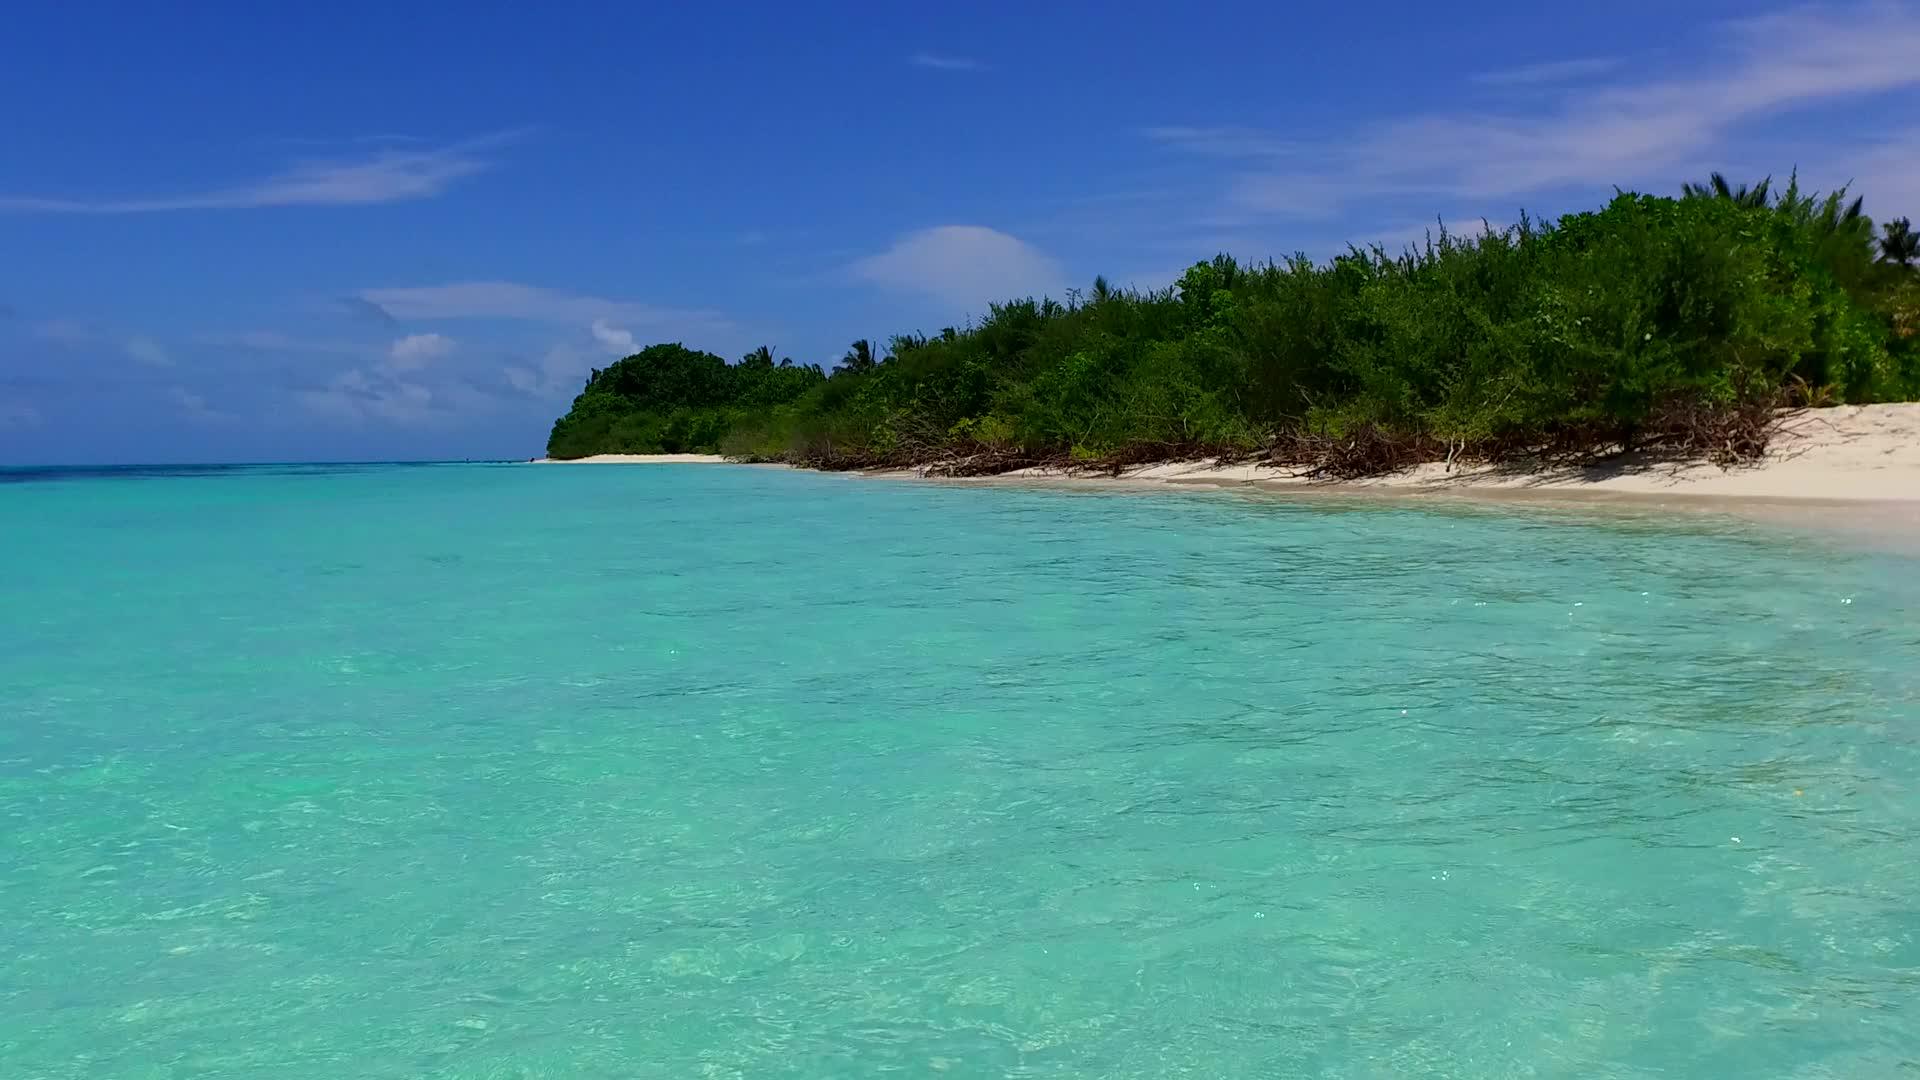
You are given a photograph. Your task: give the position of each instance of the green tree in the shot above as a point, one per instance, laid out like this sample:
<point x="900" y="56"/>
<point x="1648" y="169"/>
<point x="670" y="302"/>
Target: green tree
<point x="669" y="398"/>
<point x="1899" y="245"/>
<point x="1651" y="321"/>
<point x="859" y="357"/>
<point x="1717" y="187"/>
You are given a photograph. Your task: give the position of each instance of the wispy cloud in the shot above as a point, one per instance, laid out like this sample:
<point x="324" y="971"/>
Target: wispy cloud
<point x="963" y="265"/>
<point x="1886" y="171"/>
<point x="524" y="380"/>
<point x="417" y="351"/>
<point x="938" y="62"/>
<point x="597" y="327"/>
<point x="274" y="341"/>
<point x="78" y="335"/>
<point x="194" y="407"/>
<point x="387" y="174"/>
<point x="560" y="370"/>
<point x="508" y="300"/>
<point x="1621" y="131"/>
<point x="147" y="351"/>
<point x="65" y="331"/>
<point x="356" y="396"/>
<point x="1231" y="142"/>
<point x="615" y="339"/>
<point x="375" y="138"/>
<point x="367" y="309"/>
<point x="1552" y="71"/>
<point x="557" y="374"/>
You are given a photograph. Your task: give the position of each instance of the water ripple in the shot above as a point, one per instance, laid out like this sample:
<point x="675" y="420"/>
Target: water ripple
<point x="500" y="772"/>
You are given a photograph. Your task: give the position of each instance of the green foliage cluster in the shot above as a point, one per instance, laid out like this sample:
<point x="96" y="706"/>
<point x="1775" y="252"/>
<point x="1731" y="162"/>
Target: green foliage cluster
<point x="670" y="399"/>
<point x="1650" y="320"/>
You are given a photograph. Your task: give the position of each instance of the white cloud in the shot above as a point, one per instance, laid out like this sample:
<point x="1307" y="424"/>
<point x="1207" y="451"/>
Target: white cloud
<point x="562" y="372"/>
<point x="365" y="308"/>
<point x="194" y="407"/>
<point x="381" y="395"/>
<point x="1658" y="130"/>
<point x="523" y="380"/>
<point x="963" y="265"/>
<point x="508" y="300"/>
<point x="148" y="351"/>
<point x="566" y="361"/>
<point x="274" y="341"/>
<point x="418" y="350"/>
<point x="936" y="62"/>
<point x="140" y="349"/>
<point x="1550" y="72"/>
<point x="354" y="396"/>
<point x="1227" y="141"/>
<point x="387" y="175"/>
<point x="614" y="339"/>
<point x="1886" y="172"/>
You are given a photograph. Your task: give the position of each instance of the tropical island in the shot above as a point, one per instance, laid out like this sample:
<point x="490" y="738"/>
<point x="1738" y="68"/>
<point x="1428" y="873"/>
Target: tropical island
<point x="1676" y="324"/>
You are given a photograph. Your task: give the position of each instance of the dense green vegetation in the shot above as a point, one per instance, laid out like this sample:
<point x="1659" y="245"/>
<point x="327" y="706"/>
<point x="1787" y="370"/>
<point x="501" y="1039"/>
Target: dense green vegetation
<point x="1680" y="322"/>
<point x="670" y="399"/>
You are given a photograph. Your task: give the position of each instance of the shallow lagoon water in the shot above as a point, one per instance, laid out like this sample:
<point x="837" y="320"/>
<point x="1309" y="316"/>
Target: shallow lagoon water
<point x="506" y="771"/>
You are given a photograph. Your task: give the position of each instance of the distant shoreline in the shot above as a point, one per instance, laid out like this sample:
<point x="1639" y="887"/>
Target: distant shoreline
<point x="1847" y="472"/>
<point x="636" y="459"/>
<point x="1848" y="468"/>
<point x="1846" y="453"/>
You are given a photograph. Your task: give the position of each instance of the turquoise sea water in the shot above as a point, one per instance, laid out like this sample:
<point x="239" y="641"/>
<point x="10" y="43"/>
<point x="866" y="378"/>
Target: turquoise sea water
<point x="687" y="771"/>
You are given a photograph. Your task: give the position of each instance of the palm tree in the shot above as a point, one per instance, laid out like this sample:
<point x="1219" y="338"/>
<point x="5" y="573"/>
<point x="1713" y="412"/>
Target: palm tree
<point x="1828" y="216"/>
<point x="760" y="357"/>
<point x="1900" y="245"/>
<point x="1849" y="219"/>
<point x="1717" y="187"/>
<point x="859" y="356"/>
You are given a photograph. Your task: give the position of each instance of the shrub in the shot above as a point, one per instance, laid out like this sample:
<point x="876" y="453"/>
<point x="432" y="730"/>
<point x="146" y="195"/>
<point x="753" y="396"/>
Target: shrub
<point x="1676" y="320"/>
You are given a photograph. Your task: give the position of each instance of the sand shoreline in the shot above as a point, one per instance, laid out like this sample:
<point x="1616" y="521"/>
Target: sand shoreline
<point x="1851" y="472"/>
<point x="1845" y="454"/>
<point x="1848" y="467"/>
<point x="636" y="459"/>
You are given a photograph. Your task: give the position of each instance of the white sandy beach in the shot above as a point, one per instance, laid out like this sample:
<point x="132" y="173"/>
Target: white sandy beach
<point x="637" y="459"/>
<point x="1851" y="453"/>
<point x="1847" y="471"/>
<point x="1851" y="468"/>
<point x="1857" y="453"/>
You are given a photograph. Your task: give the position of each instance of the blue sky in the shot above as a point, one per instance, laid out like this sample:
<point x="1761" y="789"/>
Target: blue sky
<point x="345" y="231"/>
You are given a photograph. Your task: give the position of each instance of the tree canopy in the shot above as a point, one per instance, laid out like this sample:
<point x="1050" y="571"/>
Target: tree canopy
<point x="669" y="398"/>
<point x="1683" y="321"/>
